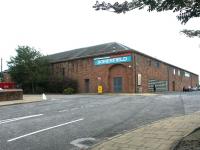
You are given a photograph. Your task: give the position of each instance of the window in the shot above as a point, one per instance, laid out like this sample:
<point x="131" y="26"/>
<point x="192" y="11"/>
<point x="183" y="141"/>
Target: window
<point x="187" y="74"/>
<point x="85" y="63"/>
<point x="174" y="71"/>
<point x="81" y="63"/>
<point x="70" y="66"/>
<point x="138" y="59"/>
<point x="149" y="62"/>
<point x="182" y="73"/>
<point x="179" y="72"/>
<point x="63" y="72"/>
<point x="157" y="64"/>
<point x="73" y="67"/>
<point x="76" y="67"/>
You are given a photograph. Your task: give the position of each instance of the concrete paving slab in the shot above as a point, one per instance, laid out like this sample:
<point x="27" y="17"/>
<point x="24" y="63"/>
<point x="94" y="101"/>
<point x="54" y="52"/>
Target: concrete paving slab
<point x="165" y="133"/>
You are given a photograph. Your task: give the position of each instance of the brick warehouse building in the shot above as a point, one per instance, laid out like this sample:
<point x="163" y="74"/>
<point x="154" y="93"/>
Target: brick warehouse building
<point x="119" y="69"/>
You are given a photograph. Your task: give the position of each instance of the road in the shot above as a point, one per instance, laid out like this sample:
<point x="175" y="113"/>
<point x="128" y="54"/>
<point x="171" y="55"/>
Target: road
<point x="63" y="122"/>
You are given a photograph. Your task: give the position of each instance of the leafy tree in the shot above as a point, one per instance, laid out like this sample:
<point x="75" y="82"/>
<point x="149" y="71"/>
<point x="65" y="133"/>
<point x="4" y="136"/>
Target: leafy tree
<point x="1" y="76"/>
<point x="28" y="68"/>
<point x="187" y="9"/>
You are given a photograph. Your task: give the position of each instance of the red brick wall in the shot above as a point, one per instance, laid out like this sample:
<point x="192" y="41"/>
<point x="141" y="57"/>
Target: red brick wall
<point x="163" y="72"/>
<point x="85" y="69"/>
<point x="82" y="69"/>
<point x="8" y="94"/>
<point x="146" y="67"/>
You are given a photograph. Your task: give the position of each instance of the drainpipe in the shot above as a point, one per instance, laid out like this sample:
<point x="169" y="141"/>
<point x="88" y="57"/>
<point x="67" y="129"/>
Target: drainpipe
<point x="135" y="73"/>
<point x="168" y="76"/>
<point x="1" y="75"/>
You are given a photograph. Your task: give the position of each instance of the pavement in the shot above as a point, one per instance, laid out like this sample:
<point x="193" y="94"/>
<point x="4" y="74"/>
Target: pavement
<point x="160" y="135"/>
<point x="74" y="122"/>
<point x="31" y="98"/>
<point x="26" y="99"/>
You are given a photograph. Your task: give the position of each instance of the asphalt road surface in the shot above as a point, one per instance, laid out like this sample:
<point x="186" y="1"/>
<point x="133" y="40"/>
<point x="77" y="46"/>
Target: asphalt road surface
<point x="79" y="121"/>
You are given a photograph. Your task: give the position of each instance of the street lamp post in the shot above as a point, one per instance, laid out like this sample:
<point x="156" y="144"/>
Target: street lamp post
<point x="1" y="74"/>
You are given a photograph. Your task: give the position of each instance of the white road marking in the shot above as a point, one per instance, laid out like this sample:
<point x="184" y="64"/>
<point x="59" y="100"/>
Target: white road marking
<point x="72" y="109"/>
<point x="42" y="130"/>
<point x="18" y="118"/>
<point x="63" y="110"/>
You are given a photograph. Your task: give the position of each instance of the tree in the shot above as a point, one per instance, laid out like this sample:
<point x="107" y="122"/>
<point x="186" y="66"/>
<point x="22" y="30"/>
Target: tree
<point x="28" y="68"/>
<point x="1" y="76"/>
<point x="187" y="9"/>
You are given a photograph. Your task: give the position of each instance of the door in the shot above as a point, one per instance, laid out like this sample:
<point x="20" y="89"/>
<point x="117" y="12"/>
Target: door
<point x="117" y="84"/>
<point x="173" y="86"/>
<point x="87" y="85"/>
<point x="160" y="85"/>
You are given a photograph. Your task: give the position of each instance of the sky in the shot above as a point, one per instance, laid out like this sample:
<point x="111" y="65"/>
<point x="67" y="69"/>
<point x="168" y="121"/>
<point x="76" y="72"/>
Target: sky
<point x="53" y="26"/>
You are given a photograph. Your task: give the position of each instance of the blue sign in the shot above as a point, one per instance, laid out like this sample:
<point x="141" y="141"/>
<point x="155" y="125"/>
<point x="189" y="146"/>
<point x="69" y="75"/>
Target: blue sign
<point x="109" y="60"/>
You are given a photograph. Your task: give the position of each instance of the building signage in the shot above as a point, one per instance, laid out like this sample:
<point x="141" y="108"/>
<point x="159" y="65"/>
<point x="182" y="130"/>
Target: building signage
<point x="112" y="60"/>
<point x="139" y="82"/>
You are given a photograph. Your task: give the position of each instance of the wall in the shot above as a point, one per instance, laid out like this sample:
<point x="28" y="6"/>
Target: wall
<point x="82" y="69"/>
<point x="149" y="70"/>
<point x="148" y="67"/>
<point x="14" y="94"/>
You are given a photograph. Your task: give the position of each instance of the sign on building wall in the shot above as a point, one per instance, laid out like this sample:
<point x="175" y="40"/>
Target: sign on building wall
<point x="112" y="60"/>
<point x="139" y="82"/>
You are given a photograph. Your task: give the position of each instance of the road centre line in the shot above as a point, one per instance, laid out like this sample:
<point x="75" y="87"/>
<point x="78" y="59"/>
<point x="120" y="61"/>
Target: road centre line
<point x="42" y="130"/>
<point x="63" y="110"/>
<point x="19" y="118"/>
<point x="72" y="109"/>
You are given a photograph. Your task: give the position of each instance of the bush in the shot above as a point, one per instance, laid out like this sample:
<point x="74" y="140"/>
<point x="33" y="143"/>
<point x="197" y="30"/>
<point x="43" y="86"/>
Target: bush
<point x="49" y="86"/>
<point x="69" y="91"/>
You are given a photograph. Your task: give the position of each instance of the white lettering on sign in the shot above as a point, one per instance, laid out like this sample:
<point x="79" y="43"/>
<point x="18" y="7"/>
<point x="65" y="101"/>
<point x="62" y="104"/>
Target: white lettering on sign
<point x="112" y="60"/>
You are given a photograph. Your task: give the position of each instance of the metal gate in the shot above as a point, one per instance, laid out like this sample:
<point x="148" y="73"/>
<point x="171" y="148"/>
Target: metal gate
<point x="161" y="86"/>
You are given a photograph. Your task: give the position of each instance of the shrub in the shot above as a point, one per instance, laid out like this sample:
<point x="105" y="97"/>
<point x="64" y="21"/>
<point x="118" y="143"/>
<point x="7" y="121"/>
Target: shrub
<point x="69" y="91"/>
<point x="50" y="86"/>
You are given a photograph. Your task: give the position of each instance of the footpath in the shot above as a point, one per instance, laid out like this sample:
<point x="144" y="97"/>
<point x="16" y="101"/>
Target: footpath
<point x="26" y="99"/>
<point x="159" y="135"/>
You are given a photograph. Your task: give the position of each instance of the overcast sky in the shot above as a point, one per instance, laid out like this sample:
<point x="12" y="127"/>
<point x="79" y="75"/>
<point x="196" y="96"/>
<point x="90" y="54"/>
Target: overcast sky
<point x="53" y="26"/>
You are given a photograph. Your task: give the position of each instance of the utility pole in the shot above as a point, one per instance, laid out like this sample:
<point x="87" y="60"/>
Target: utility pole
<point x="1" y="74"/>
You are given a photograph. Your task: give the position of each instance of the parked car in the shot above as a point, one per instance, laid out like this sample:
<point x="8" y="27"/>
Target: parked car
<point x="187" y="89"/>
<point x="198" y="88"/>
<point x="194" y="88"/>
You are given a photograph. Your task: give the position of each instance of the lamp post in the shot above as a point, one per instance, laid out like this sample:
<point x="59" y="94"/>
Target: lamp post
<point x="1" y="74"/>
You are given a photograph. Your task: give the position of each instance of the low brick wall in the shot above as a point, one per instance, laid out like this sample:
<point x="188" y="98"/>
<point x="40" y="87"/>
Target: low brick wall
<point x="11" y="94"/>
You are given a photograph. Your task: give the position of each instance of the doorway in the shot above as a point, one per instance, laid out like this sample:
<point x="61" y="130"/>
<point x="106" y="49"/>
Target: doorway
<point x="117" y="84"/>
<point x="173" y="86"/>
<point x="87" y="85"/>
